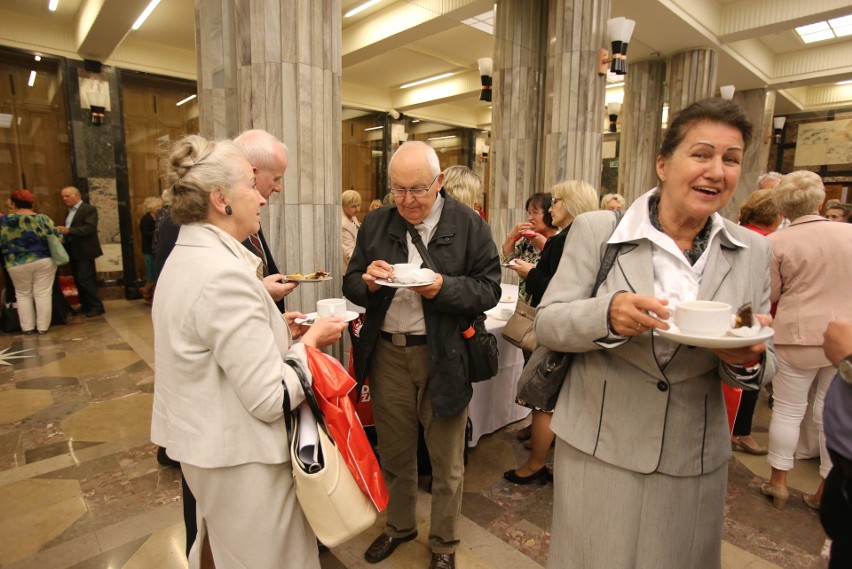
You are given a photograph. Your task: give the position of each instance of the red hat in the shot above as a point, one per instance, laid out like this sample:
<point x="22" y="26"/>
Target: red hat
<point x="23" y="196"/>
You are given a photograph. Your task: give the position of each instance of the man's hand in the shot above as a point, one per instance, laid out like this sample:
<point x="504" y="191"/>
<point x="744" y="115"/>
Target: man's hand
<point x="376" y="270"/>
<point x="62" y="229"/>
<point x="838" y="340"/>
<point x="430" y="291"/>
<point x="277" y="288"/>
<point x="296" y="330"/>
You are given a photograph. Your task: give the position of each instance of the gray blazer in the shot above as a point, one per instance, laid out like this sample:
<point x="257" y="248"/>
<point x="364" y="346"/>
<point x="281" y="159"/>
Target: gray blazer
<point x="617" y="403"/>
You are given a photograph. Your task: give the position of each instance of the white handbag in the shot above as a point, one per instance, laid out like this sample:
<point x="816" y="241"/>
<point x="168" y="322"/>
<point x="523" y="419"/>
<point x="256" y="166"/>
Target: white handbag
<point x="331" y="499"/>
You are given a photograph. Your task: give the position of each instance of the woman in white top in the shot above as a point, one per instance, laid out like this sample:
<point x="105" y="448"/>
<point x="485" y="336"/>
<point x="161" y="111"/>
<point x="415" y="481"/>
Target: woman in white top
<point x="349" y="229"/>
<point x="221" y="347"/>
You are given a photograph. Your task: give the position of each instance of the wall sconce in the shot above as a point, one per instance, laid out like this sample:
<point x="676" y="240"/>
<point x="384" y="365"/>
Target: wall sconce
<point x="486" y="68"/>
<point x="97" y="104"/>
<point x="778" y="123"/>
<point x="727" y="92"/>
<point x="619" y="31"/>
<point x="613" y="110"/>
<point x="484" y="155"/>
<point x="94" y="96"/>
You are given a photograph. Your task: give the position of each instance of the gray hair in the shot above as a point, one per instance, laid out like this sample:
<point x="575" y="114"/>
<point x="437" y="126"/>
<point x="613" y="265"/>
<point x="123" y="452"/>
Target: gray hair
<point x="151" y="203"/>
<point x="799" y="193"/>
<point x="261" y="148"/>
<point x="577" y="196"/>
<point x="769" y="176"/>
<point x="617" y="197"/>
<point x="197" y="167"/>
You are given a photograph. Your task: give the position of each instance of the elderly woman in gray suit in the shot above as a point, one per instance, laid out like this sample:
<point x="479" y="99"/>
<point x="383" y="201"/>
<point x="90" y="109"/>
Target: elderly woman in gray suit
<point x="642" y="434"/>
<point x="220" y="345"/>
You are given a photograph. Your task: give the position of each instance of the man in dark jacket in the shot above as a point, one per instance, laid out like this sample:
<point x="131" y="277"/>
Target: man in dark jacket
<point x="81" y="240"/>
<point x="411" y="344"/>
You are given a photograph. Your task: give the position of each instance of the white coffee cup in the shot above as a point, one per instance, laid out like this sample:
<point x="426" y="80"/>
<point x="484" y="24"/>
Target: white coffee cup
<point x="404" y="272"/>
<point x="505" y="313"/>
<point x="331" y="307"/>
<point x="703" y="317"/>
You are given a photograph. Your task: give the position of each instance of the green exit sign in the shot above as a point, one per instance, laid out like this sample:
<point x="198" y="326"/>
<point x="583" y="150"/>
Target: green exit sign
<point x="614" y="164"/>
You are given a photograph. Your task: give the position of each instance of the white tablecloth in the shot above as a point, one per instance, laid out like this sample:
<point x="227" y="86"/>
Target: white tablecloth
<point x="493" y="405"/>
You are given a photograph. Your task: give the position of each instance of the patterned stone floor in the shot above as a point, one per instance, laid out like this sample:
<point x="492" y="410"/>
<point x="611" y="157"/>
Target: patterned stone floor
<point x="80" y="486"/>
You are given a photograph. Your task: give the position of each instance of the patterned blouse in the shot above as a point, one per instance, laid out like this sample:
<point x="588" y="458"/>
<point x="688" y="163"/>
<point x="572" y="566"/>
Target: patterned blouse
<point x="525" y="251"/>
<point x="23" y="238"/>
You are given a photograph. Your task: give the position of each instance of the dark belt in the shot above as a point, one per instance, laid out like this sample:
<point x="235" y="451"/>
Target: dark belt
<point x="404" y="340"/>
<point x="843" y="464"/>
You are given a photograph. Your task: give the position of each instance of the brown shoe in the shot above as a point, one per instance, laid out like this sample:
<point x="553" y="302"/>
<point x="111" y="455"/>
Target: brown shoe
<point x="384" y="545"/>
<point x="443" y="561"/>
<point x="742" y="444"/>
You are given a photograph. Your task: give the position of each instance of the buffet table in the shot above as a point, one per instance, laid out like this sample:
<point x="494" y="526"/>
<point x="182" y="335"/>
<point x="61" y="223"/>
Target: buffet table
<point x="493" y="405"/>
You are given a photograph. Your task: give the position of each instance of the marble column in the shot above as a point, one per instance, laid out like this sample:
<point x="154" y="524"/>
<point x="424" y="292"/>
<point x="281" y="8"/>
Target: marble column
<point x="641" y="127"/>
<point x="574" y="93"/>
<point x="759" y="105"/>
<point x="692" y="77"/>
<point x="520" y="30"/>
<point x="275" y="65"/>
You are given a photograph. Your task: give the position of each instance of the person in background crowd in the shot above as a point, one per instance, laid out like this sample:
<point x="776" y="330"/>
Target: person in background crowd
<point x="642" y="432"/>
<point x="477" y="205"/>
<point x="375" y="204"/>
<point x="463" y="184"/>
<point x="809" y="259"/>
<point x="26" y="256"/>
<point x="351" y="202"/>
<point x="769" y="180"/>
<point x="570" y="199"/>
<point x="613" y="202"/>
<point x="220" y="377"/>
<point x="836" y="509"/>
<point x="81" y="241"/>
<point x="526" y="239"/>
<point x="841" y="212"/>
<point x="414" y="352"/>
<point x="759" y="214"/>
<point x="147" y="228"/>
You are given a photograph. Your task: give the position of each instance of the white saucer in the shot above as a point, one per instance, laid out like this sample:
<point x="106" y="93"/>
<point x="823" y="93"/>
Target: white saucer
<point x="385" y="282"/>
<point x="311" y="317"/>
<point x="508" y="298"/>
<point x="726" y="341"/>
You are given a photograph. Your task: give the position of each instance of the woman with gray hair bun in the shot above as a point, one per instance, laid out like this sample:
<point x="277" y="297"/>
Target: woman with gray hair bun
<point x="221" y="349"/>
<point x="809" y="260"/>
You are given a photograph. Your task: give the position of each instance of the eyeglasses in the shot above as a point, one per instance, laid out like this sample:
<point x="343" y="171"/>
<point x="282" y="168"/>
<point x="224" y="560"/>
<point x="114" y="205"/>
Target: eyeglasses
<point x="415" y="192"/>
<point x="555" y="200"/>
<point x="535" y="212"/>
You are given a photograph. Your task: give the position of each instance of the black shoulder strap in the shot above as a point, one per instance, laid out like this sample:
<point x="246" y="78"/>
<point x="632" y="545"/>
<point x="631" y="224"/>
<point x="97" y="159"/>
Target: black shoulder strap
<point x="421" y="248"/>
<point x="608" y="258"/>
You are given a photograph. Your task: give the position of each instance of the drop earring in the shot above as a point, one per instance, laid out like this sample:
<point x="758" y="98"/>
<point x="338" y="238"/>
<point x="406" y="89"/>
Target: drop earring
<point x="228" y="210"/>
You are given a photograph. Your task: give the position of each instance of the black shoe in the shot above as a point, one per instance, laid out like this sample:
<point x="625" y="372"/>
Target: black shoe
<point x="165" y="459"/>
<point x="539" y="476"/>
<point x="94" y="313"/>
<point x="384" y="545"/>
<point x="443" y="561"/>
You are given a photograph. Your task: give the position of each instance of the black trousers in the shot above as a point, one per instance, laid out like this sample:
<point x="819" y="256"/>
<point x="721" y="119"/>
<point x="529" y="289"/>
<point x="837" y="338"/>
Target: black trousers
<point x="836" y="513"/>
<point x="85" y="277"/>
<point x="742" y="426"/>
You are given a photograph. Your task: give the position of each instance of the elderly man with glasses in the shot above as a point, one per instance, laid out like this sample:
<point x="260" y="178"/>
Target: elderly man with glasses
<point x="411" y="345"/>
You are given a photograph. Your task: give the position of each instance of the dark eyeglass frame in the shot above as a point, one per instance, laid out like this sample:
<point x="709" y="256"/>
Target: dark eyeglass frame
<point x="415" y="192"/>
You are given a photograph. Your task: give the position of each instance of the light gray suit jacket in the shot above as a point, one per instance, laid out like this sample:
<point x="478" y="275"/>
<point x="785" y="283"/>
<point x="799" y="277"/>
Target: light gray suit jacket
<point x="219" y="347"/>
<point x="618" y="404"/>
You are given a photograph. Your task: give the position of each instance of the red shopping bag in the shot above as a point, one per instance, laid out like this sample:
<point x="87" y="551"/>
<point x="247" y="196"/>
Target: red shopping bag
<point x="69" y="289"/>
<point x="733" y="395"/>
<point x="332" y="386"/>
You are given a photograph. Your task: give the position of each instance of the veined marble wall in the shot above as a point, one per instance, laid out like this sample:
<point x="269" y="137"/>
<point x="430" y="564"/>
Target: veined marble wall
<point x="641" y="134"/>
<point x="276" y="65"/>
<point x="692" y="77"/>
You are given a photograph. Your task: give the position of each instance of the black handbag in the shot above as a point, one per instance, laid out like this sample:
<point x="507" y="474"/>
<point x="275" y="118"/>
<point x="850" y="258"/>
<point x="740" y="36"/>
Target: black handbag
<point x="481" y="344"/>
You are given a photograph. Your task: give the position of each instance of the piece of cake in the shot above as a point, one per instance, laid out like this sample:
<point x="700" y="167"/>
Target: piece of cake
<point x="745" y="316"/>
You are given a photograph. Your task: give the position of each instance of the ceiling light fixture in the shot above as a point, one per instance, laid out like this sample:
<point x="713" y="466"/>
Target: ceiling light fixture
<point x="53" y="5"/>
<point x="442" y="137"/>
<point x="38" y="58"/>
<point x="144" y="16"/>
<point x="31" y="81"/>
<point x="361" y="8"/>
<point x="847" y="82"/>
<point x="188" y="99"/>
<point x="373" y="128"/>
<point x="427" y="80"/>
<point x="822" y="31"/>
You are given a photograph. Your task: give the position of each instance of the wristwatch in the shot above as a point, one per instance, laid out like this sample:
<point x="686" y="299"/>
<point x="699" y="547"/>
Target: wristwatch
<point x="845" y="369"/>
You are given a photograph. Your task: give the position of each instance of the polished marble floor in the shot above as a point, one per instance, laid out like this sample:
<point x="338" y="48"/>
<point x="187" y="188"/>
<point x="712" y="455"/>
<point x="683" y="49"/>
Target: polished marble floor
<point x="80" y="486"/>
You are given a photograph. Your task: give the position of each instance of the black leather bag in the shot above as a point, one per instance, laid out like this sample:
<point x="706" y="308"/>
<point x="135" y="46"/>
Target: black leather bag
<point x="481" y="350"/>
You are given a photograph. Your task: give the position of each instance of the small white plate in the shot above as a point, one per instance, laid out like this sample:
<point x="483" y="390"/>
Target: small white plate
<point x="720" y="342"/>
<point x="294" y="280"/>
<point x="385" y="282"/>
<point x="510" y="263"/>
<point x="312" y="317"/>
<point x="509" y="298"/>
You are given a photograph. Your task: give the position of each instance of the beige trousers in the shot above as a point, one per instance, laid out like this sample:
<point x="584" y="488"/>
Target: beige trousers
<point x="401" y="402"/>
